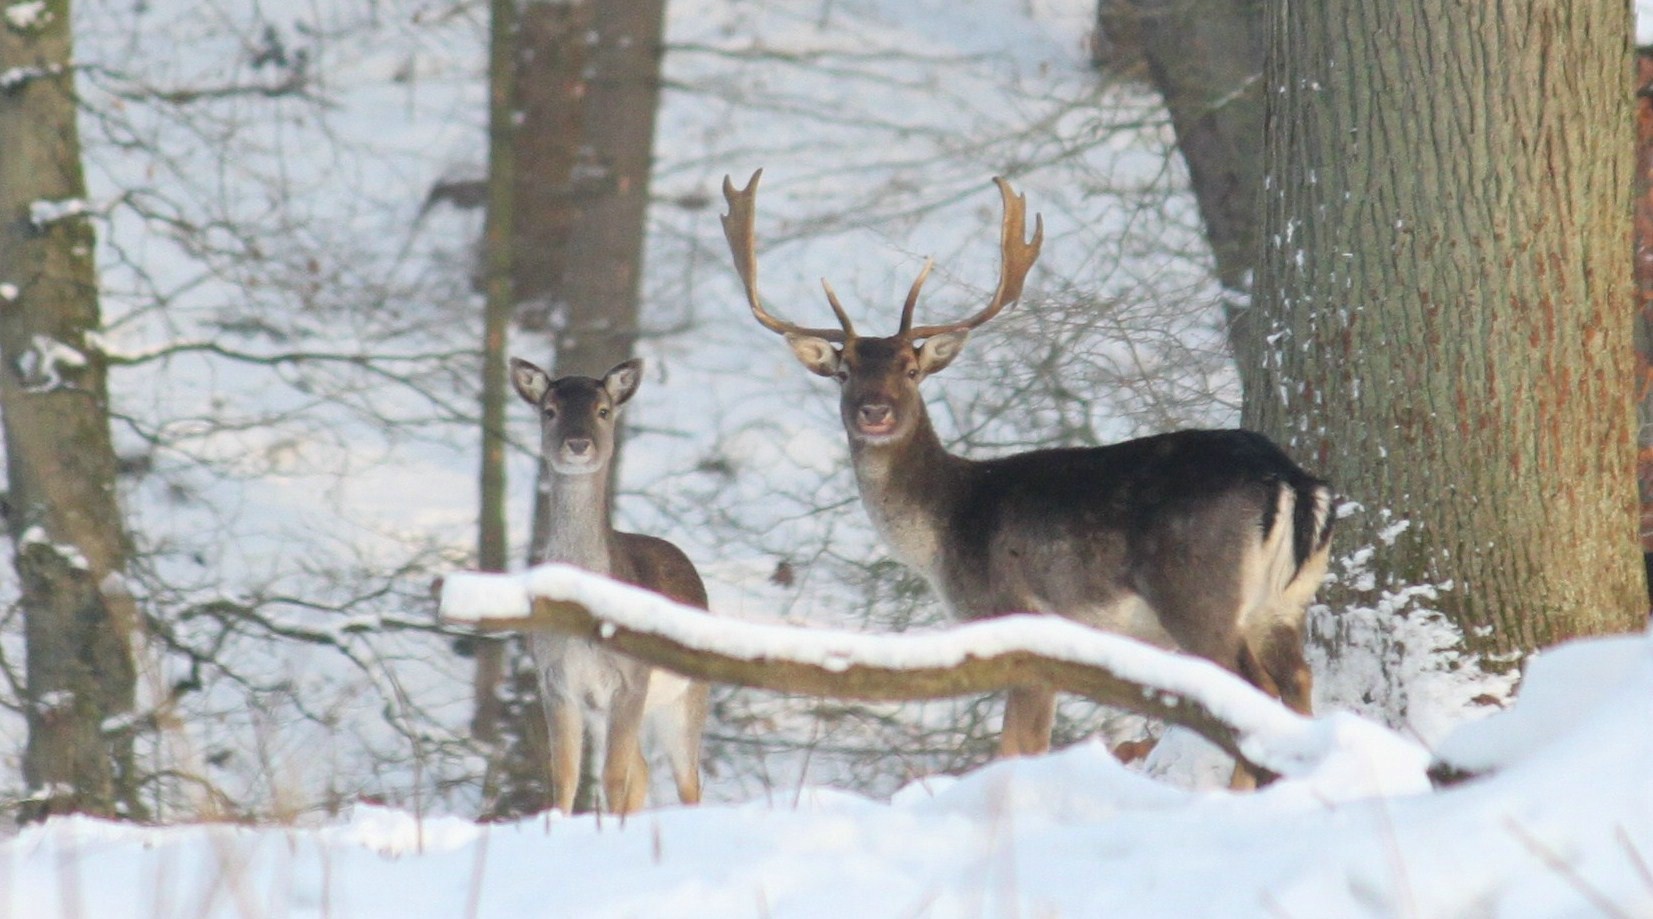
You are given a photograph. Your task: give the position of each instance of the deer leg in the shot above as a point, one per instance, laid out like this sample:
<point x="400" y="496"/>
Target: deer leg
<point x="679" y="728"/>
<point x="1251" y="668"/>
<point x="625" y="773"/>
<point x="1281" y="655"/>
<point x="1028" y="714"/>
<point x="1264" y="672"/>
<point x="565" y="738"/>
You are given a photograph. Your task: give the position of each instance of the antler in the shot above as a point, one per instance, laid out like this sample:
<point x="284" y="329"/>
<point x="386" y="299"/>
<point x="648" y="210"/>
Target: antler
<point x="912" y="297"/>
<point x="737" y="228"/>
<point x="1016" y="257"/>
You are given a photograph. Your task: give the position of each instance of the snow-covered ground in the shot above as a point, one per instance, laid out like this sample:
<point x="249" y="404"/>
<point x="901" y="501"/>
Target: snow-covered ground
<point x="1562" y="827"/>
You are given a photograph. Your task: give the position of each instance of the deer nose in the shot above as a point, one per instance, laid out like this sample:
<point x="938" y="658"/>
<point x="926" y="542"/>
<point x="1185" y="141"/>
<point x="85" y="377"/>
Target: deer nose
<point x="877" y="413"/>
<point x="578" y="446"/>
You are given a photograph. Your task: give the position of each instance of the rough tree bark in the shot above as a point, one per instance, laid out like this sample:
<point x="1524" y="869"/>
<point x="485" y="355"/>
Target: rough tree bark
<point x="1643" y="185"/>
<point x="61" y="510"/>
<point x="1445" y="285"/>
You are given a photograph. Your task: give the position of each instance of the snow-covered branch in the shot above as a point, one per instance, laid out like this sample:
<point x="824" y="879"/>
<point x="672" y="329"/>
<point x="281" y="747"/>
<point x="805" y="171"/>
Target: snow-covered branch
<point x="978" y="657"/>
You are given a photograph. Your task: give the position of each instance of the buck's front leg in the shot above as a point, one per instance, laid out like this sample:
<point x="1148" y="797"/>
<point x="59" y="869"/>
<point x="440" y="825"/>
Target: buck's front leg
<point x="1029" y="712"/>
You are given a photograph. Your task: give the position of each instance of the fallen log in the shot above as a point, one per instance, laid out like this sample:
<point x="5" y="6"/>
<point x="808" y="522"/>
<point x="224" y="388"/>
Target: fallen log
<point x="987" y="656"/>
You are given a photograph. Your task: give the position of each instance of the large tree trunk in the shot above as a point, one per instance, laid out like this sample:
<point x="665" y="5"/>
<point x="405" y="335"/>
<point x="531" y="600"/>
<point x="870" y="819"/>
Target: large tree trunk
<point x="1643" y="185"/>
<point x="61" y="511"/>
<point x="1205" y="57"/>
<point x="1445" y="285"/>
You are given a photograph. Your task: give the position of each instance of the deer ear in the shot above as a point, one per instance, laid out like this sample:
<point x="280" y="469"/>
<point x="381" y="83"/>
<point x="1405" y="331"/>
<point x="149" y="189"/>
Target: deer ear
<point x="817" y="354"/>
<point x="622" y="381"/>
<point x="531" y="382"/>
<point x="939" y="350"/>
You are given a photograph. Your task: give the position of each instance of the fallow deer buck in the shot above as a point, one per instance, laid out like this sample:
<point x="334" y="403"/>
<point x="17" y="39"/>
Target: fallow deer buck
<point x="1212" y="542"/>
<point x="587" y="689"/>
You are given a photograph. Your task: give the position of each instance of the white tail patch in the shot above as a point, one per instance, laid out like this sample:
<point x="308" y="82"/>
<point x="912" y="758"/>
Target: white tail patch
<point x="1300" y="587"/>
<point x="1277" y="587"/>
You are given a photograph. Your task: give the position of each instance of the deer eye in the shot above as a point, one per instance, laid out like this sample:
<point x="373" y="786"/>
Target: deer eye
<point x="912" y="373"/>
<point x="602" y="413"/>
<point x="550" y="413"/>
<point x="841" y="376"/>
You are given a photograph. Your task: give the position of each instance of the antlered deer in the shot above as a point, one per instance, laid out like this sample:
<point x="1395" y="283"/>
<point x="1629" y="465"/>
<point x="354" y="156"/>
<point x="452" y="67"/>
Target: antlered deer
<point x="1212" y="542"/>
<point x="585" y="688"/>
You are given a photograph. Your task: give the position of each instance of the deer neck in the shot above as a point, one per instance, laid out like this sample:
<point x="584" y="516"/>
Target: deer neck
<point x="579" y="533"/>
<point x="909" y="487"/>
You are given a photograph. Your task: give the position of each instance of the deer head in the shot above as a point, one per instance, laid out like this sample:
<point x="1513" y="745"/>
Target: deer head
<point x="879" y="377"/>
<point x="577" y="414"/>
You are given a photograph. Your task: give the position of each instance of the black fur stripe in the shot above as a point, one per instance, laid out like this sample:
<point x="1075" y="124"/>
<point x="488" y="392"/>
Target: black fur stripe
<point x="1311" y="521"/>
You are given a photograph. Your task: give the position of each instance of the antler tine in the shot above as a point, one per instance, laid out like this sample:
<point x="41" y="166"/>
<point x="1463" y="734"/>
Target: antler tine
<point x="739" y="231"/>
<point x="912" y="297"/>
<point x="837" y="308"/>
<point x="1016" y="257"/>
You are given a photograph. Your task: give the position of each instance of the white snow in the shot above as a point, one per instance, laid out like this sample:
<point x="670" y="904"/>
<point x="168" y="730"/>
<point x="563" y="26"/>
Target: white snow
<point x="36" y="536"/>
<point x="42" y="364"/>
<point x="27" y="15"/>
<point x="1564" y="829"/>
<point x="12" y="78"/>
<point x="43" y="213"/>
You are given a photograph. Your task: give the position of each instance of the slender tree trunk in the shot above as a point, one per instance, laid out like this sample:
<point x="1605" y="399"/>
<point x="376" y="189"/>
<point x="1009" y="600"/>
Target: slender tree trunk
<point x="1205" y="57"/>
<point x="61" y="510"/>
<point x="497" y="251"/>
<point x="1445" y="284"/>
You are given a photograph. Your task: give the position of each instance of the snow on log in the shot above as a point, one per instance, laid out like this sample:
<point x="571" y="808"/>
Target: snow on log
<point x="986" y="656"/>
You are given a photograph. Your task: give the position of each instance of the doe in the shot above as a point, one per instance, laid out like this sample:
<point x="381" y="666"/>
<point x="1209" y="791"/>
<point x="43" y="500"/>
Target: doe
<point x="587" y="689"/>
<point x="1208" y="541"/>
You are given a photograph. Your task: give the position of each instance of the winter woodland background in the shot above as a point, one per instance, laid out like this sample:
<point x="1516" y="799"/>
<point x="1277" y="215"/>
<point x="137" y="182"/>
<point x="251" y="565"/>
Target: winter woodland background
<point x="295" y="335"/>
<point x="288" y="266"/>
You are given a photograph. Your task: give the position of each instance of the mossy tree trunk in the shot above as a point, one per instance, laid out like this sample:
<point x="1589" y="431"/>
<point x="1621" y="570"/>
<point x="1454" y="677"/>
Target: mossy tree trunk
<point x="61" y="510"/>
<point x="1445" y="286"/>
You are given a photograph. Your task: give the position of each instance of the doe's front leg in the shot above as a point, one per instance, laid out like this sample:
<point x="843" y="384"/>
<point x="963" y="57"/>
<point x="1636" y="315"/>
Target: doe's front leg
<point x="625" y="772"/>
<point x="565" y="737"/>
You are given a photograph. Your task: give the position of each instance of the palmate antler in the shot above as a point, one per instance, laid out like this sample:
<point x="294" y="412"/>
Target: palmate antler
<point x="1016" y="258"/>
<point x="737" y="228"/>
